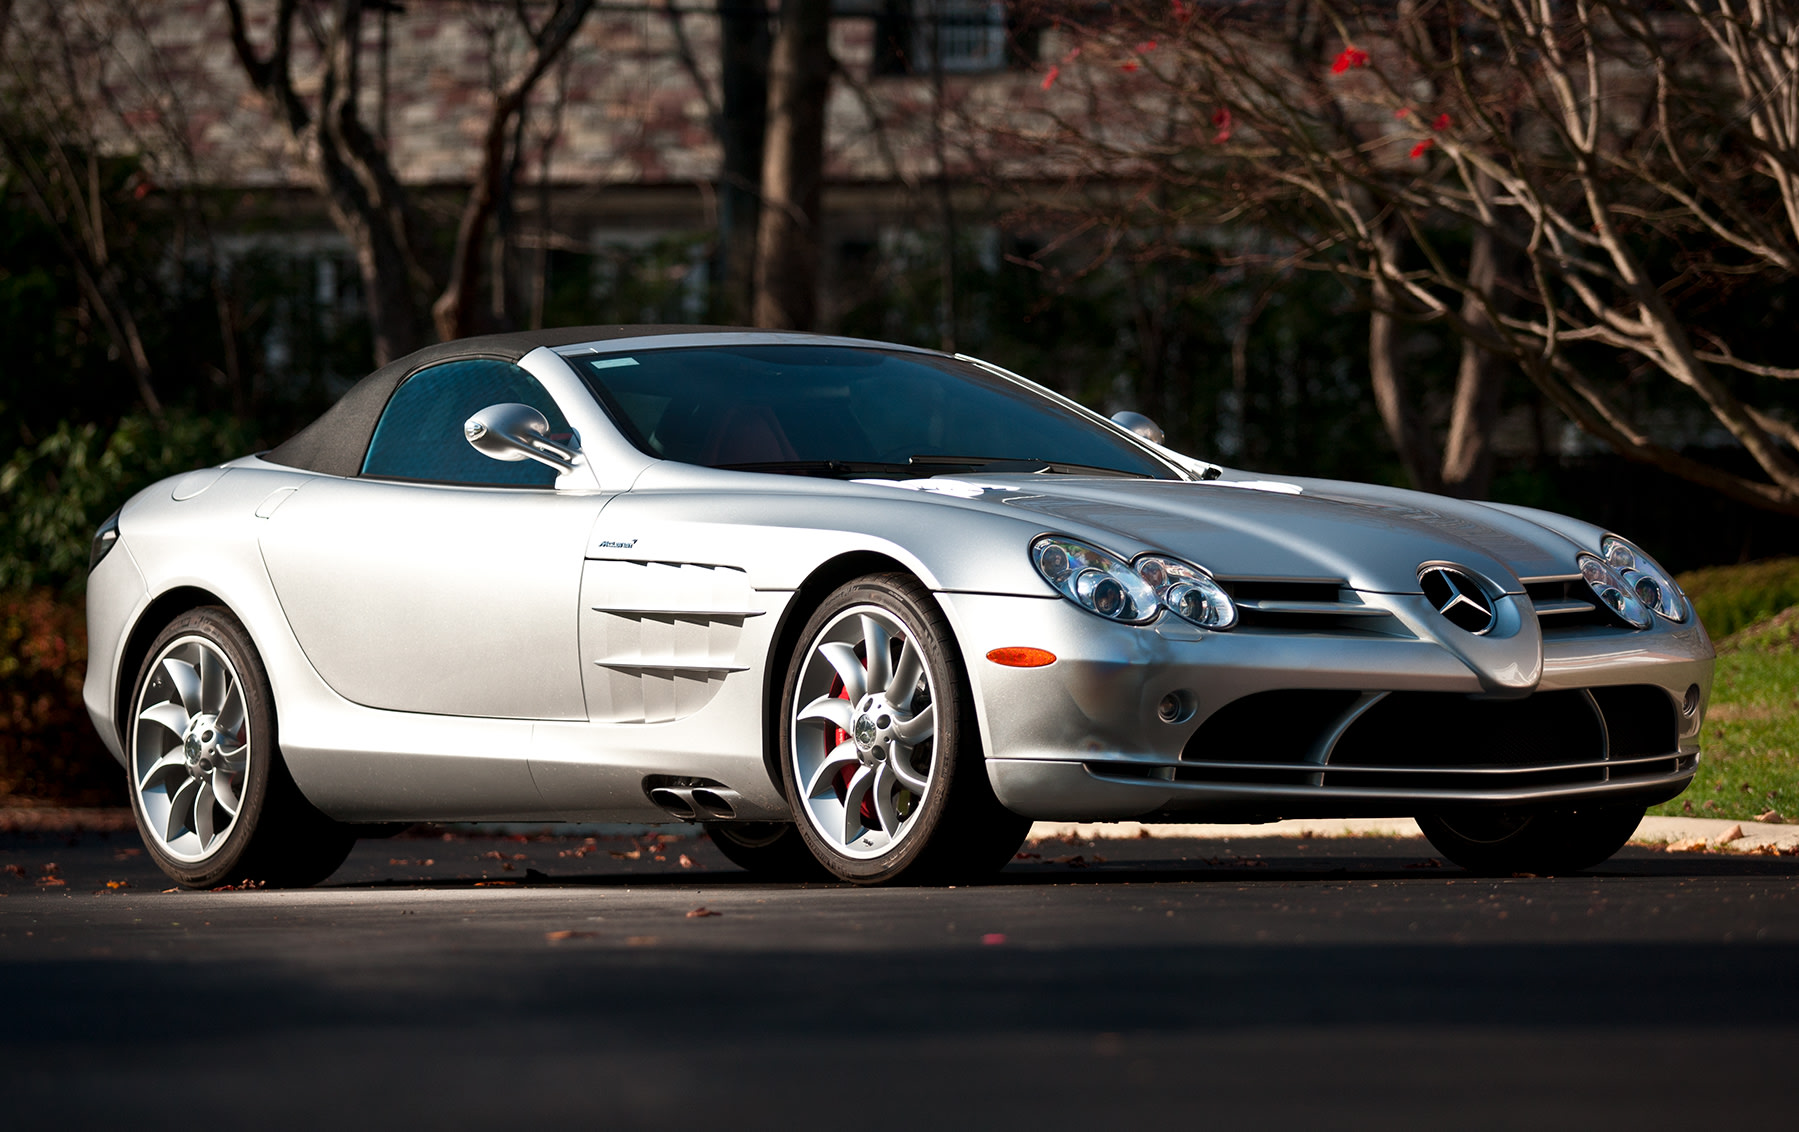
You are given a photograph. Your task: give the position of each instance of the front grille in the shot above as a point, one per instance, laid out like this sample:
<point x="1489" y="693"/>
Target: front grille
<point x="1565" y="604"/>
<point x="1442" y="742"/>
<point x="1307" y="605"/>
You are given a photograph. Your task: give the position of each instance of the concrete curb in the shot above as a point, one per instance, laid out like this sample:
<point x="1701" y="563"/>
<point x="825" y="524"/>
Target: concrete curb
<point x="1680" y="834"/>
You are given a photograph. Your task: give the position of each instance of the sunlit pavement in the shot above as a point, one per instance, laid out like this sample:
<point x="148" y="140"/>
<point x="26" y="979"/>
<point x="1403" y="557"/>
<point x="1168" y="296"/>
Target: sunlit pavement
<point x="472" y="981"/>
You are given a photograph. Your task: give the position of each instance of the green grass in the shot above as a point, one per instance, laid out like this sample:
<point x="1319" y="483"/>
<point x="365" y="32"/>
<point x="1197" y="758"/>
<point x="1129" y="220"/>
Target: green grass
<point x="1751" y="734"/>
<point x="1730" y="598"/>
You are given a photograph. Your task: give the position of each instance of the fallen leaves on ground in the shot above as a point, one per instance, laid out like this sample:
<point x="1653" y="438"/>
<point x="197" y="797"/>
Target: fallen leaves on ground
<point x="1689" y="845"/>
<point x="702" y="912"/>
<point x="686" y="862"/>
<point x="1770" y="816"/>
<point x="567" y="933"/>
<point x="1427" y="863"/>
<point x="496" y="884"/>
<point x="411" y="861"/>
<point x="51" y="882"/>
<point x="115" y="885"/>
<point x="15" y="871"/>
<point x="247" y="886"/>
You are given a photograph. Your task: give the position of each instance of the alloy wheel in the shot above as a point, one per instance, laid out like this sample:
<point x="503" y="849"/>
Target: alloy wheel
<point x="864" y="732"/>
<point x="191" y="749"/>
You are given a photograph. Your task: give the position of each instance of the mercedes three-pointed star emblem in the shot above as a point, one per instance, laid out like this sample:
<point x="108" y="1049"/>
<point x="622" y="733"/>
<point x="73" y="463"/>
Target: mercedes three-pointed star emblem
<point x="1459" y="597"/>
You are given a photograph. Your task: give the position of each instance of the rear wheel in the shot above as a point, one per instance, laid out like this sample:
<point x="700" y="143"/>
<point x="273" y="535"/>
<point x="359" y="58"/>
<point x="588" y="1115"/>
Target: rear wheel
<point x="880" y="754"/>
<point x="773" y="850"/>
<point x="213" y="800"/>
<point x="1501" y="842"/>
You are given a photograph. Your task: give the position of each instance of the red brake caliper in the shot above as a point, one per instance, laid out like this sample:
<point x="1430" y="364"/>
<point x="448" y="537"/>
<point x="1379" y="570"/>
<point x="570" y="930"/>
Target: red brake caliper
<point x="869" y="818"/>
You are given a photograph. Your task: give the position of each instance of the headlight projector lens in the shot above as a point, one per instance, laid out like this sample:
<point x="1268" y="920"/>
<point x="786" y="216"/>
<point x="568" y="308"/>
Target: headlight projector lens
<point x="1614" y="592"/>
<point x="1652" y="585"/>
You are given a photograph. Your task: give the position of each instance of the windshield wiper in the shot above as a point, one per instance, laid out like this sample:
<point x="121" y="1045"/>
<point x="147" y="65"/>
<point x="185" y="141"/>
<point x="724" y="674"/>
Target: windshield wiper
<point x="1014" y="464"/>
<point x="837" y="469"/>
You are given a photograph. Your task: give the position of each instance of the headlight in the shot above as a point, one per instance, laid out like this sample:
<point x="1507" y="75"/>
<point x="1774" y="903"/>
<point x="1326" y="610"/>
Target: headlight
<point x="1614" y="592"/>
<point x="1095" y="580"/>
<point x="1188" y="591"/>
<point x="1652" y="584"/>
<point x="105" y="539"/>
<point x="1103" y="583"/>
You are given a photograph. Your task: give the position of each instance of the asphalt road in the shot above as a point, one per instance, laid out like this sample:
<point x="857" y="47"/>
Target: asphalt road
<point x="478" y="982"/>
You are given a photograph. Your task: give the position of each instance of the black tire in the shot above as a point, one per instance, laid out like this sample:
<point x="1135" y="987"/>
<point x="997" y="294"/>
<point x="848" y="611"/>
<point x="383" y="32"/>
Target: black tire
<point x="957" y="830"/>
<point x="1545" y="842"/>
<point x="276" y="837"/>
<point x="773" y="850"/>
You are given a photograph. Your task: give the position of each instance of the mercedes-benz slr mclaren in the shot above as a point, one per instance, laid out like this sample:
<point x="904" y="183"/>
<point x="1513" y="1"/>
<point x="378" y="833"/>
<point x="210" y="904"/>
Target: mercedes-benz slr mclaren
<point x="863" y="610"/>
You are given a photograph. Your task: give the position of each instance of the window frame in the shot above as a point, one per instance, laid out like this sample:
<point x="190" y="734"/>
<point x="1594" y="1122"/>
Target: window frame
<point x="555" y="484"/>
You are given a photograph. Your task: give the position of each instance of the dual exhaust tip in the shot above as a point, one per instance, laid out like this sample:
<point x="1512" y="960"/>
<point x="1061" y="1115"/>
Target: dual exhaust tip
<point x="695" y="799"/>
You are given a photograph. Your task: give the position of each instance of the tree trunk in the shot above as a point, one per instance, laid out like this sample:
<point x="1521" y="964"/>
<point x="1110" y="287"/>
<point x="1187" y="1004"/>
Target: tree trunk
<point x="787" y="245"/>
<point x="743" y="121"/>
<point x="1468" y="455"/>
<point x="1405" y="426"/>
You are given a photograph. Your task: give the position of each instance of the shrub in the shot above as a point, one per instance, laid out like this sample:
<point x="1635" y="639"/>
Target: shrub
<point x="1731" y="597"/>
<point x="55" y="493"/>
<point x="48" y="749"/>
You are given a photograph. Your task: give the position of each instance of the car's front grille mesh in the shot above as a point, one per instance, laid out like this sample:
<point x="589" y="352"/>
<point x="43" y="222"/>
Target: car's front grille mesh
<point x="1316" y="605"/>
<point x="1432" y="741"/>
<point x="1565" y="605"/>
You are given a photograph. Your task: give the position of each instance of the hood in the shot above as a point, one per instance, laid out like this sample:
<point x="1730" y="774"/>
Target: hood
<point x="1374" y="538"/>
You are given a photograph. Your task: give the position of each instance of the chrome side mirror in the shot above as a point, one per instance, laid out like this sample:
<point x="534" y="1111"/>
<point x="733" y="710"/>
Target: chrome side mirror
<point x="1139" y="424"/>
<point x="517" y="432"/>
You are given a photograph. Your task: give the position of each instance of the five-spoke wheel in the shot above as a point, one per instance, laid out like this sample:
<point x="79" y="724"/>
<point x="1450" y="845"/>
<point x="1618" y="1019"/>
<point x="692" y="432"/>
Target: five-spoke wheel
<point x="880" y="754"/>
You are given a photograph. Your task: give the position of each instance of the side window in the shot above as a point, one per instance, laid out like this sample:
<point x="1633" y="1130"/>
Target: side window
<point x="419" y="435"/>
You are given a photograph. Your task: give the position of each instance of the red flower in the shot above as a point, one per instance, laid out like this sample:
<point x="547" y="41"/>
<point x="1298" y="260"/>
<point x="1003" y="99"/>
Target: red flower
<point x="1146" y="47"/>
<point x="1418" y="150"/>
<point x="1402" y="112"/>
<point x="1049" y="79"/>
<point x="1128" y="65"/>
<point x="1181" y="11"/>
<point x="1221" y="118"/>
<point x="1442" y="122"/>
<point x="1351" y="57"/>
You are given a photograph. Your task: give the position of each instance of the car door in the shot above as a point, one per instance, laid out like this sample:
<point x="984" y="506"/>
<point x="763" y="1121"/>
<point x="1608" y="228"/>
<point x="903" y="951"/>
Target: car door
<point x="441" y="580"/>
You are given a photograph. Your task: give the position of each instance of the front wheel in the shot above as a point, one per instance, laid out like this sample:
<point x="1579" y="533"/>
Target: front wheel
<point x="1501" y="842"/>
<point x="880" y="755"/>
<point x="213" y="800"/>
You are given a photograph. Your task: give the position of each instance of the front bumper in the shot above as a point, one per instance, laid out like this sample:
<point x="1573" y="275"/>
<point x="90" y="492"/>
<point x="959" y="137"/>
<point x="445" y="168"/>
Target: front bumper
<point x="1083" y="738"/>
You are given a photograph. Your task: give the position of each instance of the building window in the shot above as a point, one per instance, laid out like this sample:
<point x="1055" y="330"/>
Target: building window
<point x="970" y="36"/>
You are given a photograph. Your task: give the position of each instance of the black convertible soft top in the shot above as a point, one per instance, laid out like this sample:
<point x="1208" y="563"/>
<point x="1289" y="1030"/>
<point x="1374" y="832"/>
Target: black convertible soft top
<point x="337" y="442"/>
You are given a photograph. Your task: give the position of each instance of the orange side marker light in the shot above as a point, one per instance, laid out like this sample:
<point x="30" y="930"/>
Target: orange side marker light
<point x="1020" y="657"/>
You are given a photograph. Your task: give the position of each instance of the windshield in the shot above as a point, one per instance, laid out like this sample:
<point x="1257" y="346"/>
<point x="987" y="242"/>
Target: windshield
<point x="847" y="411"/>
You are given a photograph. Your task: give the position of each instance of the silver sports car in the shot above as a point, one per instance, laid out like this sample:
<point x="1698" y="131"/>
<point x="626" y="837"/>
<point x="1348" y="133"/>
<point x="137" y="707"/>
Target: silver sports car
<point x="863" y="610"/>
